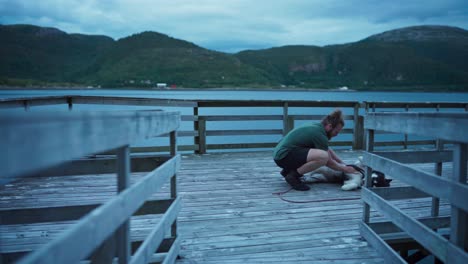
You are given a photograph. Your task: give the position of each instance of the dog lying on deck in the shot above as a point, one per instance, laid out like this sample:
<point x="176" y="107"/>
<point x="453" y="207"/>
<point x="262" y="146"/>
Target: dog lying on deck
<point x="351" y="181"/>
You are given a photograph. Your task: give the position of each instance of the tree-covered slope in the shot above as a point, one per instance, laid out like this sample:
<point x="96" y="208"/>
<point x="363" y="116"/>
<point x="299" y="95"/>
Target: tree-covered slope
<point x="422" y="57"/>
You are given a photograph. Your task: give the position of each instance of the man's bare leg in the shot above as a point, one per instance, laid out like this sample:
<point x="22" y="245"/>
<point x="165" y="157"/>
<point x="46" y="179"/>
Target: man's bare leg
<point x="316" y="158"/>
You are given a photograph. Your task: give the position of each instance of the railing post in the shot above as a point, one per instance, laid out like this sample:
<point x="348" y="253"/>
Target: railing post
<point x="459" y="218"/>
<point x="201" y="135"/>
<point x="358" y="135"/>
<point x="196" y="138"/>
<point x="368" y="181"/>
<point x="26" y="105"/>
<point x="173" y="152"/>
<point x="123" y="182"/>
<point x="405" y="143"/>
<point x="438" y="171"/>
<point x="70" y="103"/>
<point x="285" y="119"/>
<point x="290" y="124"/>
<point x="118" y="244"/>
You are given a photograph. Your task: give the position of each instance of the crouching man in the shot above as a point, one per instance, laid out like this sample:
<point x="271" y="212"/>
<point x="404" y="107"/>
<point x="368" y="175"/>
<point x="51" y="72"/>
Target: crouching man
<point x="305" y="149"/>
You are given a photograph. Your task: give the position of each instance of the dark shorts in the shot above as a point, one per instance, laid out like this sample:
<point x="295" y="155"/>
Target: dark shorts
<point x="295" y="159"/>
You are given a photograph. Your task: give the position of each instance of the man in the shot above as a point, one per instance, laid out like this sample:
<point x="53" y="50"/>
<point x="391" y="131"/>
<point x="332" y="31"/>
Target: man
<point x="305" y="149"/>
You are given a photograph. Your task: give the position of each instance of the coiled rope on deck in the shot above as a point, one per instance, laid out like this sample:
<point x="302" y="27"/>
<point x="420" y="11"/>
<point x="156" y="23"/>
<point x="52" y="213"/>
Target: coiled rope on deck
<point x="280" y="195"/>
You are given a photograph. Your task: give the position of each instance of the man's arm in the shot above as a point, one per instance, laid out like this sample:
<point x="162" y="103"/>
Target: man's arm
<point x="336" y="163"/>
<point x="333" y="155"/>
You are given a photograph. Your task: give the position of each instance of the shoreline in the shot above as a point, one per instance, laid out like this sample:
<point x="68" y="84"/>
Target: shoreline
<point x="389" y="89"/>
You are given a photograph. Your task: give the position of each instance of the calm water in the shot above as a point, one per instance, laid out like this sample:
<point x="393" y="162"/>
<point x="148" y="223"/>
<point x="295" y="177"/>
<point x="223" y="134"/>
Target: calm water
<point x="252" y="95"/>
<point x="241" y="95"/>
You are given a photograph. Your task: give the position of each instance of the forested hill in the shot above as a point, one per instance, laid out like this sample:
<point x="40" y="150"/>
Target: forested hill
<point x="432" y="58"/>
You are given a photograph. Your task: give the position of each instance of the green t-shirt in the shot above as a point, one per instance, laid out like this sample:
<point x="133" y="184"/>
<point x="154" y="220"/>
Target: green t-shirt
<point x="305" y="136"/>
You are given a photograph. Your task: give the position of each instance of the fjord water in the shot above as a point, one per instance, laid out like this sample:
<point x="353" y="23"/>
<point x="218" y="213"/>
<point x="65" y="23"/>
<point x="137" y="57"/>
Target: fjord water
<point x="253" y="95"/>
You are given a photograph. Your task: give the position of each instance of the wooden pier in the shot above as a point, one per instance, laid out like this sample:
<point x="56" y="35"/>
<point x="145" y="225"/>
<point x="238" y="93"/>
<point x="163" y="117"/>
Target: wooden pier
<point x="229" y="212"/>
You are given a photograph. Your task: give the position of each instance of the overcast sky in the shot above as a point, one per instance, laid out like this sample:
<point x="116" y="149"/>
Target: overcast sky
<point x="234" y="25"/>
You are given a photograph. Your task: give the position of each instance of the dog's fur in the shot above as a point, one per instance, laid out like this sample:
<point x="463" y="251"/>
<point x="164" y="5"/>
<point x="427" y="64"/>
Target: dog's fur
<point x="351" y="181"/>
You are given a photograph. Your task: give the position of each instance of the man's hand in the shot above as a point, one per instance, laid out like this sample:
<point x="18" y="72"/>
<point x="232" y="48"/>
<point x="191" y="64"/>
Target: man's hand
<point x="333" y="164"/>
<point x="349" y="169"/>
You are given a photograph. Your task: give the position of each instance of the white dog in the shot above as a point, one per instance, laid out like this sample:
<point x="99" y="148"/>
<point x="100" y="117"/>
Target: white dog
<point x="351" y="181"/>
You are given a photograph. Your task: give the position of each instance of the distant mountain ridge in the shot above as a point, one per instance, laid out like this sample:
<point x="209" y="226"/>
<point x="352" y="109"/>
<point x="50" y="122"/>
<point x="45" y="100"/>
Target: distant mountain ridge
<point x="422" y="33"/>
<point x="433" y="58"/>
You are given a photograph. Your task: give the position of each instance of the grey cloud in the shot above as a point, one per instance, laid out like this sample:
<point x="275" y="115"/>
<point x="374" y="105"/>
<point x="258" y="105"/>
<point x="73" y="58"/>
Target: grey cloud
<point x="378" y="11"/>
<point x="232" y="25"/>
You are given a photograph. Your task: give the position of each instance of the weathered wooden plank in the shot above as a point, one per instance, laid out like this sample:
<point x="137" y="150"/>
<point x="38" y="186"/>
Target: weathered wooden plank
<point x="395" y="193"/>
<point x="412" y="123"/>
<point x="27" y="102"/>
<point x="316" y="117"/>
<point x="25" y="137"/>
<point x="242" y="117"/>
<point x="244" y="132"/>
<point x="263" y="145"/>
<point x="431" y="222"/>
<point x="163" y="148"/>
<point x="102" y="165"/>
<point x="417" y="156"/>
<point x="270" y="103"/>
<point x="66" y="213"/>
<point x="116" y="100"/>
<point x="434" y="105"/>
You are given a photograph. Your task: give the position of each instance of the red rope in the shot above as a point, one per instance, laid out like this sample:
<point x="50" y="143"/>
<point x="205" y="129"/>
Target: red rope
<point x="280" y="195"/>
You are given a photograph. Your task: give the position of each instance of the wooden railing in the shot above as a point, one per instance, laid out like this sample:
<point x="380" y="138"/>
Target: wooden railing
<point x="196" y="124"/>
<point x="403" y="232"/>
<point x="53" y="144"/>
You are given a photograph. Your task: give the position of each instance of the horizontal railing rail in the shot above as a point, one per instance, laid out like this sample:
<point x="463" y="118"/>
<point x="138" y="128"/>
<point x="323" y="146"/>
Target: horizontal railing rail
<point x="53" y="143"/>
<point x="449" y="247"/>
<point x="196" y="124"/>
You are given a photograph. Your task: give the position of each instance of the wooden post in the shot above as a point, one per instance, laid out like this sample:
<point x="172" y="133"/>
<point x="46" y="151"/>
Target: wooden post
<point x="123" y="182"/>
<point x="26" y="105"/>
<point x="196" y="139"/>
<point x="459" y="218"/>
<point x="361" y="134"/>
<point x="201" y="135"/>
<point x="70" y="103"/>
<point x="438" y="171"/>
<point x="173" y="153"/>
<point x="368" y="181"/>
<point x="358" y="129"/>
<point x="285" y="118"/>
<point x="290" y="125"/>
<point x="405" y="143"/>
<point x="118" y="244"/>
<point x="173" y="147"/>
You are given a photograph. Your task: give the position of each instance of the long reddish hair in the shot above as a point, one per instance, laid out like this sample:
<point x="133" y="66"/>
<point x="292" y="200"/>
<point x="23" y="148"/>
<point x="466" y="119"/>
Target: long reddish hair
<point x="334" y="118"/>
